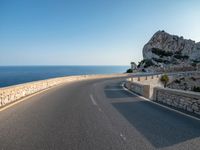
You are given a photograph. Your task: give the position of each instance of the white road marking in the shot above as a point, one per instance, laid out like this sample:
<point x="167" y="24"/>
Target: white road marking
<point x="122" y="136"/>
<point x="92" y="99"/>
<point x="95" y="103"/>
<point x="184" y="114"/>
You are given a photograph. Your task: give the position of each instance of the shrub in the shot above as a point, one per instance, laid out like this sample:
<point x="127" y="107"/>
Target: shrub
<point x="178" y="52"/>
<point x="146" y="62"/>
<point x="164" y="79"/>
<point x="196" y="89"/>
<point x="196" y="61"/>
<point x="193" y="78"/>
<point x="129" y="71"/>
<point x="158" y="60"/>
<point x="160" y="52"/>
<point x="194" y="64"/>
<point x="140" y="63"/>
<point x="177" y="81"/>
<point x="143" y="70"/>
<point x="179" y="56"/>
<point x="161" y="60"/>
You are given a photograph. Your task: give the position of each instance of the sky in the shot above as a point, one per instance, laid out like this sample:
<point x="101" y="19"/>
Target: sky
<point x="89" y="32"/>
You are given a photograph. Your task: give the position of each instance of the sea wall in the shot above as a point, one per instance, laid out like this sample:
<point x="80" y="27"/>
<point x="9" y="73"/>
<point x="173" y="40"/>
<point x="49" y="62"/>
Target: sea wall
<point x="189" y="101"/>
<point x="14" y="93"/>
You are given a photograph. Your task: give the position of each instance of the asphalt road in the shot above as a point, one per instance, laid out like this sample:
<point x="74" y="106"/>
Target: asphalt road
<point x="94" y="115"/>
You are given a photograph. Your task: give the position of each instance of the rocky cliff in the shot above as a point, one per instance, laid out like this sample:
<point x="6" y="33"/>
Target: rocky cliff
<point x="166" y="51"/>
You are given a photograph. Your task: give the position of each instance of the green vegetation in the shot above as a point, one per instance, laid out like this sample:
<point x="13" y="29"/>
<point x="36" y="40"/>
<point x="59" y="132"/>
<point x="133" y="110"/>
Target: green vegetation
<point x="194" y="63"/>
<point x="193" y="78"/>
<point x="146" y="62"/>
<point x="177" y="81"/>
<point x="161" y="53"/>
<point x="140" y="63"/>
<point x="129" y="71"/>
<point x="164" y="79"/>
<point x="161" y="60"/>
<point x="196" y="89"/>
<point x="179" y="56"/>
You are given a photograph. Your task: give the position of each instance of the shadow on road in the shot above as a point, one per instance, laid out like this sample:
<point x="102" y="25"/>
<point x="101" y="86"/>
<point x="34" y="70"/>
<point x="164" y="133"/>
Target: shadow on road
<point x="116" y="91"/>
<point x="160" y="126"/>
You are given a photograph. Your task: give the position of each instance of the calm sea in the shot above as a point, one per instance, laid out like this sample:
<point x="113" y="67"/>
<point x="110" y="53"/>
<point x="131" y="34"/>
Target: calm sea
<point x="13" y="75"/>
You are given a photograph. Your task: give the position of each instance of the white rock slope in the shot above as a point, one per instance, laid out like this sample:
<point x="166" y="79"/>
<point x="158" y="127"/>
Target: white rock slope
<point x="166" y="50"/>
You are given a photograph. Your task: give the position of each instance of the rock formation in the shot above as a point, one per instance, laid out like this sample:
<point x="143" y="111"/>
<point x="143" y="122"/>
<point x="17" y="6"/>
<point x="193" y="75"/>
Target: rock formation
<point x="168" y="52"/>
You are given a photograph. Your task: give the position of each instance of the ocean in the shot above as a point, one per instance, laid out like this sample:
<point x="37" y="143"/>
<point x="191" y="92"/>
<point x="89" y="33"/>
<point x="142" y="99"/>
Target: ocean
<point x="12" y="75"/>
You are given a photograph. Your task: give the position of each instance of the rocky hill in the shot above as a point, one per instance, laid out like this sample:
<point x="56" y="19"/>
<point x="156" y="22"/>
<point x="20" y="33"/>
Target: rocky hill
<point x="170" y="53"/>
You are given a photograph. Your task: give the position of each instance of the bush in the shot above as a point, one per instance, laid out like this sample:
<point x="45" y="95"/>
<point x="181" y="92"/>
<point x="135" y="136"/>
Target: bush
<point x="177" y="81"/>
<point x="160" y="52"/>
<point x="146" y="62"/>
<point x="164" y="79"/>
<point x="194" y="63"/>
<point x="129" y="71"/>
<point x="179" y="56"/>
<point x="196" y="89"/>
<point x="140" y="63"/>
<point x="158" y="60"/>
<point x="178" y="52"/>
<point x="193" y="78"/>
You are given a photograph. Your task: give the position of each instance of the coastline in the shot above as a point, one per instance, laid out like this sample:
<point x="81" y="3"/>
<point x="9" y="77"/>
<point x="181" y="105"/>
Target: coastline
<point x="12" y="94"/>
<point x="14" y="75"/>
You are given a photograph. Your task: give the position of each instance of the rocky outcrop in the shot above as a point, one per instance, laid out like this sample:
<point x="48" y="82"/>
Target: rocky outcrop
<point x="188" y="83"/>
<point x="169" y="51"/>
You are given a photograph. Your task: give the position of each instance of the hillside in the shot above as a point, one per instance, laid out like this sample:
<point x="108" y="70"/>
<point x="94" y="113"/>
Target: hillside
<point x="169" y="53"/>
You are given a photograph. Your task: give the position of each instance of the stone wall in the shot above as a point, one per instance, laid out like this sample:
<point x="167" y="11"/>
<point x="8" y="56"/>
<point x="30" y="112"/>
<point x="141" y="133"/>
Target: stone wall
<point x="151" y="88"/>
<point x="141" y="89"/>
<point x="189" y="101"/>
<point x="13" y="93"/>
<point x="144" y="85"/>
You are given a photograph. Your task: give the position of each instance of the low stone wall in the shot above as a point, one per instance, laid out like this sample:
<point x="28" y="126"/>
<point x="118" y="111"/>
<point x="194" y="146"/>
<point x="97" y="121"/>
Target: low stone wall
<point x="141" y="89"/>
<point x="189" y="101"/>
<point x="144" y="85"/>
<point x="13" y="93"/>
<point x="150" y="87"/>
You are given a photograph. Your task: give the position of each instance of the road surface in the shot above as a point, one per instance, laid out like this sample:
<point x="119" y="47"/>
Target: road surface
<point x="94" y="115"/>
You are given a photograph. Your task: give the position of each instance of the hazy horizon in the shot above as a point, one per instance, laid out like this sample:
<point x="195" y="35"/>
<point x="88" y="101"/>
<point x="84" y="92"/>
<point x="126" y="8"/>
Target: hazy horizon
<point x="74" y="33"/>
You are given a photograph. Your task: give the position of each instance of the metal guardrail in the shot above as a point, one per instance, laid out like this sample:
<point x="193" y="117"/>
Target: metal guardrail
<point x="187" y="73"/>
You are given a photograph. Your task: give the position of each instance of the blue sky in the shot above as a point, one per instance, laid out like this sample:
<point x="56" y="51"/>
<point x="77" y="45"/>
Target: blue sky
<point x="89" y="32"/>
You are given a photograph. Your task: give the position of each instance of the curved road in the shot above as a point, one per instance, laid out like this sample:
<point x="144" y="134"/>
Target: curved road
<point x="94" y="115"/>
